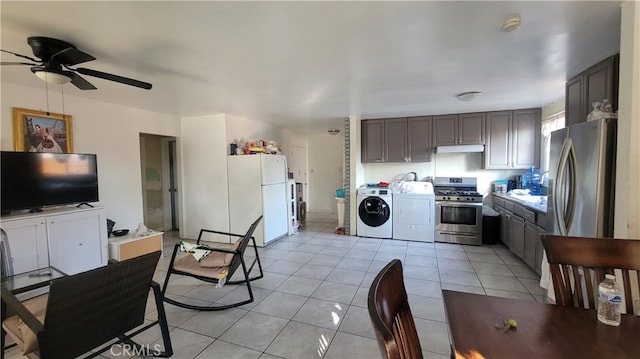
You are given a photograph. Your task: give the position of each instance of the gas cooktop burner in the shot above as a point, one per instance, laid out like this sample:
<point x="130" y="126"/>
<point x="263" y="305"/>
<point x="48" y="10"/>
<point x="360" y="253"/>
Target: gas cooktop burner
<point x="446" y="192"/>
<point x="457" y="189"/>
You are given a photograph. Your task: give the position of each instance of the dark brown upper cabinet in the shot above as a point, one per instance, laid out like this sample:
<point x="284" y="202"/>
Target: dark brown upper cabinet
<point x="419" y="135"/>
<point x="373" y="141"/>
<point x="596" y="83"/>
<point x="513" y="139"/>
<point x="463" y="129"/>
<point x="397" y="140"/>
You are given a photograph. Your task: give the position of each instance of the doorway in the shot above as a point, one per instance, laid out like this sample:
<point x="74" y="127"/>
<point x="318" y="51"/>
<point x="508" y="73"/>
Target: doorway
<point x="158" y="165"/>
<point x="298" y="165"/>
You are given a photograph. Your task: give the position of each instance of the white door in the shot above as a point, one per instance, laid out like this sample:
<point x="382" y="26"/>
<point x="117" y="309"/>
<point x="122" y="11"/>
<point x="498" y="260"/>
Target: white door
<point x="298" y="163"/>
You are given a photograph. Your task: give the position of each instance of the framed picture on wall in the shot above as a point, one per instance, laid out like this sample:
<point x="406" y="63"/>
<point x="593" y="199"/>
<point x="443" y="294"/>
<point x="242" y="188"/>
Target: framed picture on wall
<point x="37" y="131"/>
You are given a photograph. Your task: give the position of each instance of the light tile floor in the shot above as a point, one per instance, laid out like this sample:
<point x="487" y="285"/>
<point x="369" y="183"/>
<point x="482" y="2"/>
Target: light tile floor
<point x="312" y="301"/>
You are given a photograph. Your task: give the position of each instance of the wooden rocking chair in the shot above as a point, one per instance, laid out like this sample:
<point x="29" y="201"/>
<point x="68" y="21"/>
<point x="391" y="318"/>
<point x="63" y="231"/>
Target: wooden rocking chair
<point x="217" y="267"/>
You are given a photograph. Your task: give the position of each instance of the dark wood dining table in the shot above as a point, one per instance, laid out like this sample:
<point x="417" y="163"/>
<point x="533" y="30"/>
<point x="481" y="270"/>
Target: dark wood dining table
<point x="543" y="330"/>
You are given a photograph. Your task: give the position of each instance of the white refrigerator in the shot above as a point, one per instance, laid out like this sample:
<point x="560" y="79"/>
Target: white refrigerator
<point x="257" y="186"/>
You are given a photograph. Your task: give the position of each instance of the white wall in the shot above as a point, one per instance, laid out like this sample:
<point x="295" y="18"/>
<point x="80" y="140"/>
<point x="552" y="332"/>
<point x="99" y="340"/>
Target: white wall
<point x="110" y="131"/>
<point x="239" y="128"/>
<point x="326" y="170"/>
<point x="553" y="108"/>
<point x="627" y="211"/>
<point x="203" y="162"/>
<point x="356" y="176"/>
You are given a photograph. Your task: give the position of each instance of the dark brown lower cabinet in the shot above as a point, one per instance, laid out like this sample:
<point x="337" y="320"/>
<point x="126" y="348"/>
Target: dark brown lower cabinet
<point x="516" y="234"/>
<point x="530" y="239"/>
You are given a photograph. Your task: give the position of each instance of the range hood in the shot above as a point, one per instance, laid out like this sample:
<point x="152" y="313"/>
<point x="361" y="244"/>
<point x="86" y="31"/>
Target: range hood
<point x="460" y="148"/>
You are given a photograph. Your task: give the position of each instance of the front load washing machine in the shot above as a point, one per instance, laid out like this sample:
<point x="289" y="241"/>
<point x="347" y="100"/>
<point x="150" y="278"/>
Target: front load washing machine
<point x="374" y="212"/>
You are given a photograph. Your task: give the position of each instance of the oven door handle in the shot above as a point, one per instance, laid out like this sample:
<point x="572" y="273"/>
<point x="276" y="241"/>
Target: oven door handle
<point x="461" y="234"/>
<point x="458" y="204"/>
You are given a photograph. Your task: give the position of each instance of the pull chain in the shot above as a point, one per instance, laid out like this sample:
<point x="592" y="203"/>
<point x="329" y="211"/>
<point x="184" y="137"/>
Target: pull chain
<point x="62" y="91"/>
<point x="46" y="89"/>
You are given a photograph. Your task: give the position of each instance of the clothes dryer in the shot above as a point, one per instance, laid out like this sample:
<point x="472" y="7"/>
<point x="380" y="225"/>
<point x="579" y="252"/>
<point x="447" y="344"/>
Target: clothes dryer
<point x="414" y="212"/>
<point x="374" y="212"/>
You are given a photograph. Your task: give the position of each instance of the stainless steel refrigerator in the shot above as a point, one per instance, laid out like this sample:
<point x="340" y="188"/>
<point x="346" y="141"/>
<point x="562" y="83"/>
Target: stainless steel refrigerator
<point x="581" y="183"/>
<point x="581" y="179"/>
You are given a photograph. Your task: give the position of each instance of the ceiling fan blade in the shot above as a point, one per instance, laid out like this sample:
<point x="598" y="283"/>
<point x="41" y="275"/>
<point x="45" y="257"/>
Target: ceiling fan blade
<point x="79" y="82"/>
<point x="116" y="78"/>
<point x="17" y="63"/>
<point x="19" y="55"/>
<point x="71" y="56"/>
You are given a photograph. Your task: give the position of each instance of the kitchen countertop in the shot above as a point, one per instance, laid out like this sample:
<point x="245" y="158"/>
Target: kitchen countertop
<point x="536" y="203"/>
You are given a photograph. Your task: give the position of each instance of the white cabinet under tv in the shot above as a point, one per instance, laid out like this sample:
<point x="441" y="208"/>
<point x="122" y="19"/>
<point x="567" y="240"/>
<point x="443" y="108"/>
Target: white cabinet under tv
<point x="71" y="239"/>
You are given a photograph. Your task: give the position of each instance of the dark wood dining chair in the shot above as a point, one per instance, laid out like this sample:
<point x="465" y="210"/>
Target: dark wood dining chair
<point x="391" y="316"/>
<point x="583" y="261"/>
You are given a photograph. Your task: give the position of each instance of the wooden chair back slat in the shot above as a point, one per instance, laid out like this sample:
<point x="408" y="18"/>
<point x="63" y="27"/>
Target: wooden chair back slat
<point x="588" y="278"/>
<point x="391" y="316"/>
<point x="578" y="284"/>
<point x="626" y="287"/>
<point x="573" y="260"/>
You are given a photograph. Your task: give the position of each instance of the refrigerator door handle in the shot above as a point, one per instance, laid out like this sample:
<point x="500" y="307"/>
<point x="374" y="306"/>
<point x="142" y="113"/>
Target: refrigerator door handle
<point x="560" y="188"/>
<point x="571" y="200"/>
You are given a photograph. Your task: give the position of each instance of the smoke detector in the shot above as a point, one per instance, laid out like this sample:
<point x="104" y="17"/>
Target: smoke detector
<point x="511" y="23"/>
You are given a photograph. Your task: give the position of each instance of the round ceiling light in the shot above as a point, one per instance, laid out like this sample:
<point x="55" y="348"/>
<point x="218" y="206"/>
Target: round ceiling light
<point x="51" y="76"/>
<point x="511" y="23"/>
<point x="468" y="96"/>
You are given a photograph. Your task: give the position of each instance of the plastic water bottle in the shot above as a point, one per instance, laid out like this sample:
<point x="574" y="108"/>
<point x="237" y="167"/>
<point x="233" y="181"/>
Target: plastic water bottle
<point x="531" y="181"/>
<point x="609" y="299"/>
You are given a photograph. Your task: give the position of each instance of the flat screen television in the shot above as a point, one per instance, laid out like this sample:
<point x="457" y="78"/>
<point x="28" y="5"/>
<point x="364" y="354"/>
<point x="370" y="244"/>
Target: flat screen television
<point x="32" y="180"/>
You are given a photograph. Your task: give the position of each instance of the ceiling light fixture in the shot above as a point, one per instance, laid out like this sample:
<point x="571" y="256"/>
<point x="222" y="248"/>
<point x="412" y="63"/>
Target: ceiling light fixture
<point x="468" y="96"/>
<point x="511" y="23"/>
<point x="333" y="131"/>
<point x="51" y="76"/>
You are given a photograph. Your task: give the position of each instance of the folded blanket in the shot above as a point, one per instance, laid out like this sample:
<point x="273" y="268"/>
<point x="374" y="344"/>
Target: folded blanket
<point x="199" y="252"/>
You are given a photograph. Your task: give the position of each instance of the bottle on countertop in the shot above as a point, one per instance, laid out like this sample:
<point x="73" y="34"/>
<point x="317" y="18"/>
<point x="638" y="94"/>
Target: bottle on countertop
<point x="609" y="299"/>
<point x="531" y="181"/>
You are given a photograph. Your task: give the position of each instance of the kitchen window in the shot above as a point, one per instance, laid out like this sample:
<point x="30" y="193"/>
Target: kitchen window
<point x="549" y="124"/>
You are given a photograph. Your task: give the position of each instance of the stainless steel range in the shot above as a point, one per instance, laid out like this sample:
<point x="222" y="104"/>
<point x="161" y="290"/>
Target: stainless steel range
<point x="458" y="210"/>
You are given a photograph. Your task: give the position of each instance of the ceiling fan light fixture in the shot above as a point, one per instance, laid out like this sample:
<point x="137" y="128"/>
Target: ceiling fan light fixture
<point x="51" y="77"/>
<point x="333" y="131"/>
<point x="468" y="96"/>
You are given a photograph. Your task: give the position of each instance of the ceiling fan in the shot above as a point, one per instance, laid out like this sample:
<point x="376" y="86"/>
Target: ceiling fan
<point x="55" y="56"/>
